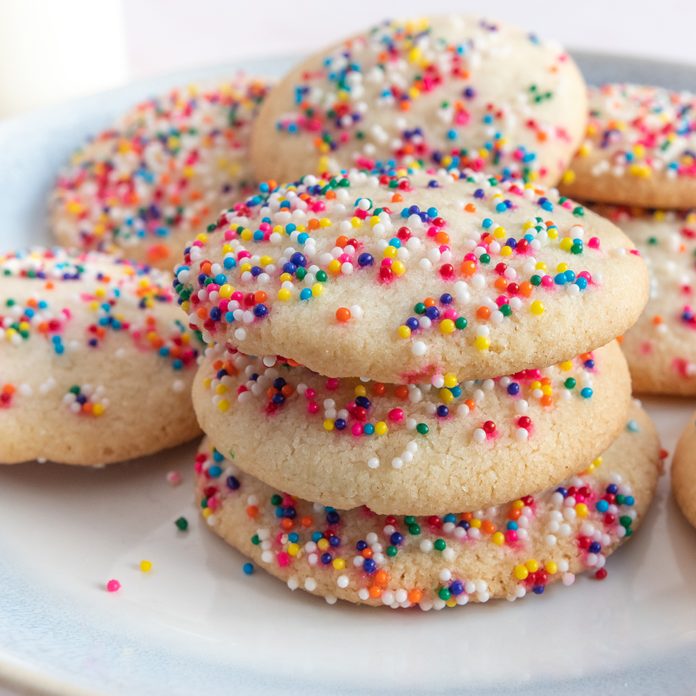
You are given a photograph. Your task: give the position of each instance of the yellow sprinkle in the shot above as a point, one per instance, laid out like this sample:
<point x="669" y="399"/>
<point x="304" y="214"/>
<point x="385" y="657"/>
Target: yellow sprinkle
<point x="447" y="326"/>
<point x="446" y="396"/>
<point x="389" y="252"/>
<point x="532" y="565"/>
<point x="398" y="268"/>
<point x="339" y="564"/>
<point x="520" y="572"/>
<point x="581" y="510"/>
<point x="284" y="294"/>
<point x="221" y="389"/>
<point x="499" y="232"/>
<point x="404" y="331"/>
<point x="551" y="567"/>
<point x="360" y="390"/>
<point x="334" y="266"/>
<point x="293" y="549"/>
<point x="223" y="405"/>
<point x="498" y="538"/>
<point x="518" y="505"/>
<point x="284" y="277"/>
<point x="323" y="544"/>
<point x="381" y="428"/>
<point x="506" y="251"/>
<point x="450" y="380"/>
<point x="536" y="307"/>
<point x="566" y="365"/>
<point x="566" y="243"/>
<point x="146" y="566"/>
<point x="98" y="409"/>
<point x="317" y="289"/>
<point x="226" y="290"/>
<point x="561" y="268"/>
<point x="568" y="177"/>
<point x="207" y="513"/>
<point x="328" y="425"/>
<point x="642" y="171"/>
<point x="476" y="523"/>
<point x="482" y="343"/>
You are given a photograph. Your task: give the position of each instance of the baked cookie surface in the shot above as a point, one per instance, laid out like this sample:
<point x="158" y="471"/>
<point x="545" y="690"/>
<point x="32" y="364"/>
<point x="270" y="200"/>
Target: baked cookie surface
<point x="661" y="346"/>
<point x="414" y="449"/>
<point x="684" y="472"/>
<point x="443" y="560"/>
<point x="398" y="277"/>
<point x="456" y="91"/>
<point x="639" y="149"/>
<point x="147" y="185"/>
<point x="96" y="362"/>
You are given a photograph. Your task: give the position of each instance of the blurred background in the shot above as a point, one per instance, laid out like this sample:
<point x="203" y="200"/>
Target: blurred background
<point x="51" y="50"/>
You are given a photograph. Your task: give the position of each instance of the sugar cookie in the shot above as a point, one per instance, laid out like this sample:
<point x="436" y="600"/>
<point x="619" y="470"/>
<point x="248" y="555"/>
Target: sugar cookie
<point x="147" y="185"/>
<point x="640" y="148"/>
<point x="444" y="560"/>
<point x="456" y="91"/>
<point x="96" y="363"/>
<point x="411" y="449"/>
<point x="399" y="278"/>
<point x="684" y="472"/>
<point x="661" y="346"/>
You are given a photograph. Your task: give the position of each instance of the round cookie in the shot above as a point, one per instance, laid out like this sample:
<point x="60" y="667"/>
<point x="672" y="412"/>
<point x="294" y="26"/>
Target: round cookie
<point x="96" y="363"/>
<point x="144" y="187"/>
<point x="411" y="449"/>
<point x="456" y="91"/>
<point x="684" y="472"/>
<point x="444" y="560"/>
<point x="661" y="346"/>
<point x="639" y="149"/>
<point x="400" y="277"/>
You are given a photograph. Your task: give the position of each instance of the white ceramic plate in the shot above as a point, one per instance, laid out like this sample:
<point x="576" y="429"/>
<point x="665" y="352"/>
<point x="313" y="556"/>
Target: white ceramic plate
<point x="197" y="624"/>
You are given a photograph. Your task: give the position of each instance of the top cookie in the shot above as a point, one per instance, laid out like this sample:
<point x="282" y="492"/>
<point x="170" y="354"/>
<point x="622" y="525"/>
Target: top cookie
<point x="454" y="91"/>
<point x="640" y="148"/>
<point x="402" y="277"/>
<point x="146" y="185"/>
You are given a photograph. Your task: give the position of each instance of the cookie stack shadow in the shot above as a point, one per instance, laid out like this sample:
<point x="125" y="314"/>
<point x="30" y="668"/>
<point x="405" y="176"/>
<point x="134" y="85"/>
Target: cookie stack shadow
<point x="456" y="430"/>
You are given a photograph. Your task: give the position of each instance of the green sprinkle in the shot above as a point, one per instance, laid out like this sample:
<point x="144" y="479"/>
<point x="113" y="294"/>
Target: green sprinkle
<point x="181" y="524"/>
<point x="423" y="428"/>
<point x="440" y="545"/>
<point x="444" y="594"/>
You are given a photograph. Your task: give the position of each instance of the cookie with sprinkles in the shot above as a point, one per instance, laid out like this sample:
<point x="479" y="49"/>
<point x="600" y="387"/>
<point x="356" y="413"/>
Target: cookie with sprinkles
<point x="684" y="472"/>
<point x="639" y="149"/>
<point x="661" y="346"/>
<point x="146" y="185"/>
<point x="457" y="91"/>
<point x="412" y="449"/>
<point x="446" y="560"/>
<point x="96" y="362"/>
<point x="401" y="276"/>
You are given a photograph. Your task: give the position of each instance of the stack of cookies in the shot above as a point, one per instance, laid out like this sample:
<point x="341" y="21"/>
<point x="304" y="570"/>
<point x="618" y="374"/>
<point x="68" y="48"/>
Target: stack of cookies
<point x="450" y="420"/>
<point x="412" y="394"/>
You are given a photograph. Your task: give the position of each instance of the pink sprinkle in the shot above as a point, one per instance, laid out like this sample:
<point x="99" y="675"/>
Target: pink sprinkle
<point x="173" y="478"/>
<point x="113" y="586"/>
